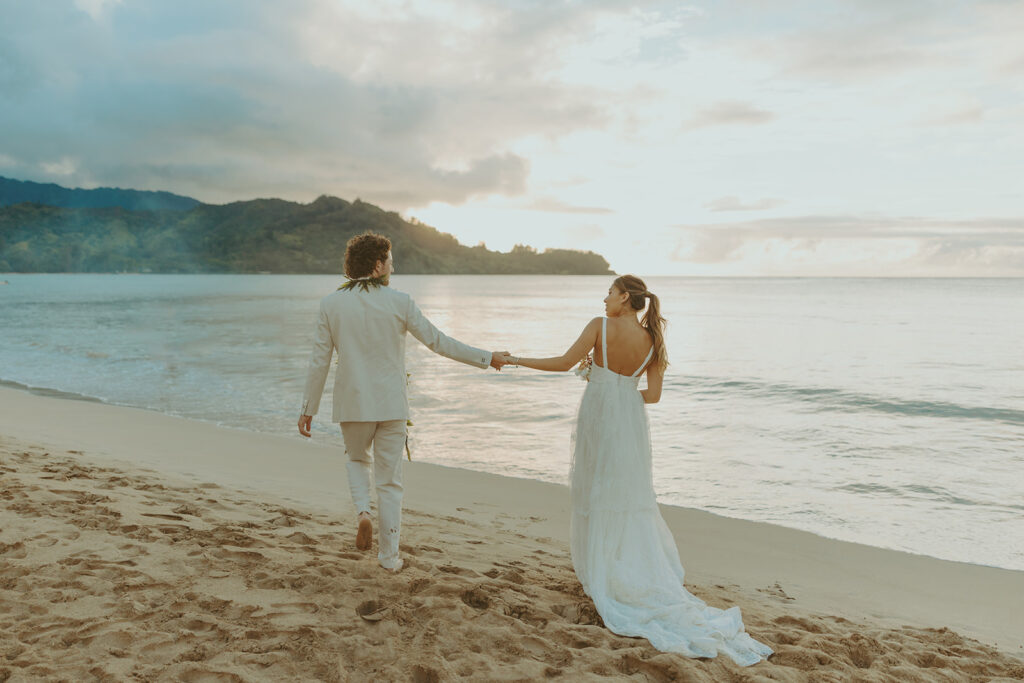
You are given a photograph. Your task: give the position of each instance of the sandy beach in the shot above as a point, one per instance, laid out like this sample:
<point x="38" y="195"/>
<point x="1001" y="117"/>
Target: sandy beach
<point x="137" y="546"/>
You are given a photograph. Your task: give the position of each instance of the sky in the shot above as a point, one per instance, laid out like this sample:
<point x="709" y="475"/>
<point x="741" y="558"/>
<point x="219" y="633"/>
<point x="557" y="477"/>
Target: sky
<point x="728" y="137"/>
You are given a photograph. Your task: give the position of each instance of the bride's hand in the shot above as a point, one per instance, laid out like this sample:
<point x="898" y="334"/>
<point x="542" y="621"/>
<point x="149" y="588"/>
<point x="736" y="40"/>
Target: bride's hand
<point x="499" y="359"/>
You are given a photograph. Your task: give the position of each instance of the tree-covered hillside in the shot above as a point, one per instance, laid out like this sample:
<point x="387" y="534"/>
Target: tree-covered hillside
<point x="19" y="191"/>
<point x="262" y="235"/>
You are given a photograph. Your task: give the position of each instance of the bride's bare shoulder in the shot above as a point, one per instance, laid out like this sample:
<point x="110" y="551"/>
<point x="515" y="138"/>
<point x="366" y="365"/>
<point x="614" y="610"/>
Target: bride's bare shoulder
<point x="591" y="330"/>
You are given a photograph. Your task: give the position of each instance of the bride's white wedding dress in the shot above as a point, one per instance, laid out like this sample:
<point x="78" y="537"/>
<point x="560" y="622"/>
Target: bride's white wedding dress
<point x="622" y="550"/>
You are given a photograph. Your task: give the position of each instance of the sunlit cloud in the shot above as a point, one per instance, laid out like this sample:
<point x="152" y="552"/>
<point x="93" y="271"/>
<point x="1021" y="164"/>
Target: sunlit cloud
<point x="965" y="115"/>
<point x="558" y="206"/>
<point x="866" y="244"/>
<point x="736" y="204"/>
<point x="62" y="167"/>
<point x="96" y="8"/>
<point x="729" y="114"/>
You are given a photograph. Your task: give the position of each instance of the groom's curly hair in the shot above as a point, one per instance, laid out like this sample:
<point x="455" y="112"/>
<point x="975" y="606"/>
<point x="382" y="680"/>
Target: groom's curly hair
<point x="362" y="253"/>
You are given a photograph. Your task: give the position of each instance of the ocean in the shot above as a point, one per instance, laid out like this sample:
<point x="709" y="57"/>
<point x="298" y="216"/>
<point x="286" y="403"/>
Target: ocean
<point x="883" y="411"/>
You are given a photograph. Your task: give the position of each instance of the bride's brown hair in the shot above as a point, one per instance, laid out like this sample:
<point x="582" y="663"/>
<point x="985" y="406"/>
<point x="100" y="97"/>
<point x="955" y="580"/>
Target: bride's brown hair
<point x="652" y="320"/>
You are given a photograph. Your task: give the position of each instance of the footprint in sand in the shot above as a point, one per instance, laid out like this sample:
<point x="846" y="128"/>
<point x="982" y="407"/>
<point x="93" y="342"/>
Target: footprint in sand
<point x="582" y="612"/>
<point x="200" y="625"/>
<point x="350" y="556"/>
<point x="176" y="518"/>
<point x="283" y="520"/>
<point x="206" y="675"/>
<point x="416" y="585"/>
<point x="776" y="592"/>
<point x="797" y="622"/>
<point x="45" y="540"/>
<point x="460" y="571"/>
<point x="476" y="597"/>
<point x="110" y="639"/>
<point x="304" y="607"/>
<point x="425" y="674"/>
<point x="372" y="610"/>
<point x="238" y="555"/>
<point x="301" y="538"/>
<point x="14" y="551"/>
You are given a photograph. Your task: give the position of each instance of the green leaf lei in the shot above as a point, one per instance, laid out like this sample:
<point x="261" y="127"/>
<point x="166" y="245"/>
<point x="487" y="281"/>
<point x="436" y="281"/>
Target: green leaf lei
<point x="363" y="283"/>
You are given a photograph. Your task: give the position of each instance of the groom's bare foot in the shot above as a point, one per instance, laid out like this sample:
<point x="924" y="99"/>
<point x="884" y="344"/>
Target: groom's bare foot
<point x="364" y="535"/>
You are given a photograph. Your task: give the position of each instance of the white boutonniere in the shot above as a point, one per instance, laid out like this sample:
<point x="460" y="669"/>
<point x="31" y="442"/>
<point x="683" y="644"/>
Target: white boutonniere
<point x="583" y="369"/>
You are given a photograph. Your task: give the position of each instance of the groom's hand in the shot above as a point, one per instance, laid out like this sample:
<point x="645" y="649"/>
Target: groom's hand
<point x="305" y="422"/>
<point x="499" y="359"/>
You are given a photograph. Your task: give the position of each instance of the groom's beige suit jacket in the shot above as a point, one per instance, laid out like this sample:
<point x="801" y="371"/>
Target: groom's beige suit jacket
<point x="368" y="332"/>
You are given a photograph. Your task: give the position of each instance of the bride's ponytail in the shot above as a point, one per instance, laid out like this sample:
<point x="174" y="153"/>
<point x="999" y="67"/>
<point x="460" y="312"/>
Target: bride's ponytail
<point x="652" y="320"/>
<point x="655" y="325"/>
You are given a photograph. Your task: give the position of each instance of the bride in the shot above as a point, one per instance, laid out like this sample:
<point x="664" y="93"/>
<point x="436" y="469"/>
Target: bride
<point x="622" y="550"/>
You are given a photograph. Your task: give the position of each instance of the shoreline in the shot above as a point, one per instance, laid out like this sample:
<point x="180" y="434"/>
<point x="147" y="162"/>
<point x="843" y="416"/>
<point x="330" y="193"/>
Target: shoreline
<point x="71" y="396"/>
<point x="821" y="574"/>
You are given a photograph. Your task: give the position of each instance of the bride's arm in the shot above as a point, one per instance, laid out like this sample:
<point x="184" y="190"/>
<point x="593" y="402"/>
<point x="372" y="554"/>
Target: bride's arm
<point x="655" y="375"/>
<point x="574" y="355"/>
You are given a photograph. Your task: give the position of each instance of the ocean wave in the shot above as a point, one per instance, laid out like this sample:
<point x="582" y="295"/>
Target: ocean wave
<point x="53" y="393"/>
<point x="933" y="493"/>
<point x="825" y="398"/>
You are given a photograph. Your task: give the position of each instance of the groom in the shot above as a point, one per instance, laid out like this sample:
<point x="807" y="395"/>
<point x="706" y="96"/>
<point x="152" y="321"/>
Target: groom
<point x="365" y="321"/>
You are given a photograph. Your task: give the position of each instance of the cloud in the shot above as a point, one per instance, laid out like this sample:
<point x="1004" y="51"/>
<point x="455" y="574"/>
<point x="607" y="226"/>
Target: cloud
<point x="992" y="246"/>
<point x="1014" y="66"/>
<point x="878" y="40"/>
<point x="63" y="167"/>
<point x="731" y="203"/>
<point x="224" y="101"/>
<point x="852" y="43"/>
<point x="96" y="8"/>
<point x="854" y="54"/>
<point x="729" y="113"/>
<point x="557" y="206"/>
<point x="964" y="115"/>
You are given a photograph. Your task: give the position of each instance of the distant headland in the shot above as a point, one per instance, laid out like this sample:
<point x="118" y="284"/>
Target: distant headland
<point x="49" y="228"/>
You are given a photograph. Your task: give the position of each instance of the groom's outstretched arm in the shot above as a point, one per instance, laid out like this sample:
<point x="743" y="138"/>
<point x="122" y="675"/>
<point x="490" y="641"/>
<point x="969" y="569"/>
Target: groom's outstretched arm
<point x="319" y="365"/>
<point x="440" y="343"/>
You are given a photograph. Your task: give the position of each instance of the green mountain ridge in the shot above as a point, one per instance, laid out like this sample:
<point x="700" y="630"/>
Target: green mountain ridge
<point x="18" y="191"/>
<point x="254" y="236"/>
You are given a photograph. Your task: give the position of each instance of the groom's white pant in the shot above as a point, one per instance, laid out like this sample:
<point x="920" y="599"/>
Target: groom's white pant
<point x="387" y="440"/>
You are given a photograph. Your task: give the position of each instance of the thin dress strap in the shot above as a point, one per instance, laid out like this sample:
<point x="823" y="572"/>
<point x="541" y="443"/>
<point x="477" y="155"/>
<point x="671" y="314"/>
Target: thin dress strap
<point x="604" y="342"/>
<point x="644" y="364"/>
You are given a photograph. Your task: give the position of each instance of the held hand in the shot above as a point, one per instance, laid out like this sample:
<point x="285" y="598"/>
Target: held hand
<point x="305" y="424"/>
<point x="500" y="359"/>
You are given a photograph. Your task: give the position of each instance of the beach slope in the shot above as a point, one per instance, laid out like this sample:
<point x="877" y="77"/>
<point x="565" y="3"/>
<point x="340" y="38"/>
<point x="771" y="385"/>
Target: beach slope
<point x="133" y="544"/>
